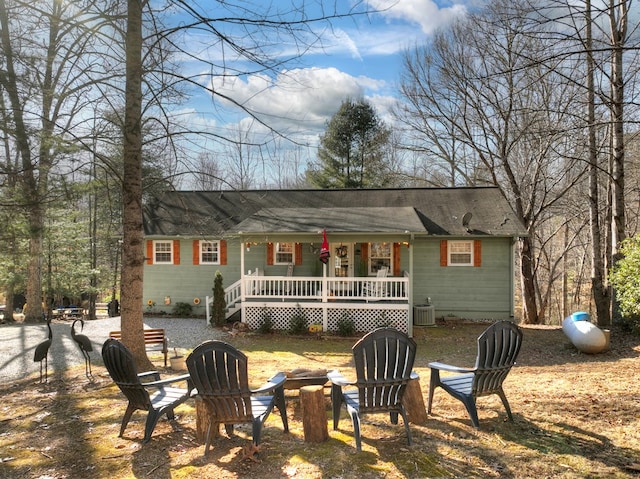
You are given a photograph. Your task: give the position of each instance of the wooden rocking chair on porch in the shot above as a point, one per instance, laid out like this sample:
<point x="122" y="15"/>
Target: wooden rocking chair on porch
<point x="374" y="290"/>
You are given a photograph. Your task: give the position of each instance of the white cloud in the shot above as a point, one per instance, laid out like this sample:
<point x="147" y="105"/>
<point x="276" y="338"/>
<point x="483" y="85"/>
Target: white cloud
<point x="297" y="100"/>
<point x="427" y="13"/>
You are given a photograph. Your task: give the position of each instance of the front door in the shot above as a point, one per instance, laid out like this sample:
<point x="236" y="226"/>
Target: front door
<point x="341" y="260"/>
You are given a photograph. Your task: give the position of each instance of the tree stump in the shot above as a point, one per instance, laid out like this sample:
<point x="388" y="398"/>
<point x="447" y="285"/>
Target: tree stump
<point x="203" y="418"/>
<point x="414" y="403"/>
<point x="314" y="414"/>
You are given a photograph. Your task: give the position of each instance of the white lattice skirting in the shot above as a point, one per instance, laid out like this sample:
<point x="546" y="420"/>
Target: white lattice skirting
<point x="366" y="317"/>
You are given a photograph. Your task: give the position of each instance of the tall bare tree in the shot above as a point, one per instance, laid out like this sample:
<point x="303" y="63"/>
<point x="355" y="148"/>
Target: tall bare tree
<point x="494" y="116"/>
<point x="47" y="70"/>
<point x="249" y="36"/>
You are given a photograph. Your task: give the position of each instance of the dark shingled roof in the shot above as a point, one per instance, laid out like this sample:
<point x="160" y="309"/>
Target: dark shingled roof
<point x="432" y="211"/>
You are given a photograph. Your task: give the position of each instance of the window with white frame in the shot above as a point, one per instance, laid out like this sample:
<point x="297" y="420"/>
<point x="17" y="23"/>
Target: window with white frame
<point x="163" y="252"/>
<point x="460" y="253"/>
<point x="209" y="252"/>
<point x="380" y="256"/>
<point x="283" y="253"/>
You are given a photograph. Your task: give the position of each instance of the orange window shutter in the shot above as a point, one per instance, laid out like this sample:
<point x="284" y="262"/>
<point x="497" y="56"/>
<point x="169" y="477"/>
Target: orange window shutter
<point x="396" y="259"/>
<point x="298" y="254"/>
<point x="196" y="252"/>
<point x="444" y="260"/>
<point x="223" y="251"/>
<point x="477" y="253"/>
<point x="176" y="251"/>
<point x="364" y="252"/>
<point x="149" y="255"/>
<point x="270" y="254"/>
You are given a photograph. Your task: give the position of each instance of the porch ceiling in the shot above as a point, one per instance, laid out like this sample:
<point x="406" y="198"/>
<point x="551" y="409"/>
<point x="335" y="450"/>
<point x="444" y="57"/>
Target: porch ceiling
<point x="334" y="220"/>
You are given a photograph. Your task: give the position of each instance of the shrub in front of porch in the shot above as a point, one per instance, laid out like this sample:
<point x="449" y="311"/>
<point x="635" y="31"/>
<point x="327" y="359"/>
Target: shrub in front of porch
<point x="298" y="322"/>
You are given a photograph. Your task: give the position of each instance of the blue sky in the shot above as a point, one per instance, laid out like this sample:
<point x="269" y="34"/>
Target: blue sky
<point x="361" y="57"/>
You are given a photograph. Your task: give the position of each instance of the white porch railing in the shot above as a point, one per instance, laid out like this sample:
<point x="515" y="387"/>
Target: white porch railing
<point x="326" y="289"/>
<point x="302" y="289"/>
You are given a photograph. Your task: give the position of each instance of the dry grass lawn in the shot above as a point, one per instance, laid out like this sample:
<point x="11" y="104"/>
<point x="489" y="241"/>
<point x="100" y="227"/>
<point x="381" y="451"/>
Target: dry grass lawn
<point x="576" y="416"/>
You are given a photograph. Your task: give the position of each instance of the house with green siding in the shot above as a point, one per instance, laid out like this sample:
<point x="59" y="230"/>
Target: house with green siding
<point x="398" y="257"/>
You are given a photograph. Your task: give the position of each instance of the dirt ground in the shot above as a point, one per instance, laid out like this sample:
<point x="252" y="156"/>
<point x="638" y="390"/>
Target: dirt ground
<point x="575" y="416"/>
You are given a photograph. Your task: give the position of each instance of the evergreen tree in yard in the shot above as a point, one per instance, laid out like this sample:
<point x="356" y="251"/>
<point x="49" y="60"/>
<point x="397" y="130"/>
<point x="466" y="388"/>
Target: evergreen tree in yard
<point x="219" y="303"/>
<point x="352" y="150"/>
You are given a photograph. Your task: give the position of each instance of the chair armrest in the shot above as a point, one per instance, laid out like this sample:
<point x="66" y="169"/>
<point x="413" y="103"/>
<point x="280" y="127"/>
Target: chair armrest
<point x="272" y="383"/>
<point x="163" y="382"/>
<point x="338" y="379"/>
<point x="414" y="375"/>
<point x="155" y="375"/>
<point x="449" y="367"/>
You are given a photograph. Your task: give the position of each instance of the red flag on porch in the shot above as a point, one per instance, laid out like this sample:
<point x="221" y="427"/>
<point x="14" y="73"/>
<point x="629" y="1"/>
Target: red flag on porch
<point x="324" y="250"/>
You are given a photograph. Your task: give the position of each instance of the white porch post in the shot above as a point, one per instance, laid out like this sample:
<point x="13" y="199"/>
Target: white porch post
<point x="242" y="287"/>
<point x="410" y="290"/>
<point x="325" y="295"/>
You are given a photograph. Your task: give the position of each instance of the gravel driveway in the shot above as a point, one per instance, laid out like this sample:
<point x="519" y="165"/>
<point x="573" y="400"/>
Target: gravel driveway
<point x="18" y="342"/>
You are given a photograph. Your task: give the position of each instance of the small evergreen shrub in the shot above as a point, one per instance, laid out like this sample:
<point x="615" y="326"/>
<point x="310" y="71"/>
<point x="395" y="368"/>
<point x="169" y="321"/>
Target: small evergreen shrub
<point x="219" y="306"/>
<point x="346" y="326"/>
<point x="182" y="309"/>
<point x="298" y="323"/>
<point x="383" y="321"/>
<point x="266" y="325"/>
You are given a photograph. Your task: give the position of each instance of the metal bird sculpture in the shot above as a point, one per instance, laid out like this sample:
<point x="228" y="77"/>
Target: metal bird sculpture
<point x="84" y="344"/>
<point x="42" y="353"/>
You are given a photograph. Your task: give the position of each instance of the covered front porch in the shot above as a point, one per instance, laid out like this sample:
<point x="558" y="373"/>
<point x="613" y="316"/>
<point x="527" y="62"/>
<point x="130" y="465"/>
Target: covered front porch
<point x="369" y="302"/>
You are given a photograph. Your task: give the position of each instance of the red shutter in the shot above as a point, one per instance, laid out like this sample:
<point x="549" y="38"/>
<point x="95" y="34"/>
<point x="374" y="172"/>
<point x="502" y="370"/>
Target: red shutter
<point x="149" y="255"/>
<point x="364" y="252"/>
<point x="444" y="259"/>
<point x="223" y="251"/>
<point x="298" y="254"/>
<point x="396" y="259"/>
<point x="196" y="251"/>
<point x="270" y="254"/>
<point x="477" y="253"/>
<point x="176" y="251"/>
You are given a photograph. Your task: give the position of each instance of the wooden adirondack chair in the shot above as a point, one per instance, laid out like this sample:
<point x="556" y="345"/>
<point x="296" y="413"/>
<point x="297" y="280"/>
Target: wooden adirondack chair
<point x="383" y="361"/>
<point x="498" y="348"/>
<point x="136" y="386"/>
<point x="219" y="374"/>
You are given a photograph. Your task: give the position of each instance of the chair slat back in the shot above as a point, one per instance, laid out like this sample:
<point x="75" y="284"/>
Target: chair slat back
<point x="383" y="360"/>
<point x="119" y="361"/>
<point x="498" y="349"/>
<point x="219" y="374"/>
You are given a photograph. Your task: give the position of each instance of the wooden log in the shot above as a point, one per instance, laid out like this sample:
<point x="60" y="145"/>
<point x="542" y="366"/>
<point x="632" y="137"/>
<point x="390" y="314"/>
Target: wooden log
<point x="203" y="418"/>
<point x="414" y="403"/>
<point x="314" y="414"/>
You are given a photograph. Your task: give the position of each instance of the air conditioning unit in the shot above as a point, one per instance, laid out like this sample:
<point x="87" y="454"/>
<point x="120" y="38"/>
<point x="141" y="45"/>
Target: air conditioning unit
<point x="424" y="315"/>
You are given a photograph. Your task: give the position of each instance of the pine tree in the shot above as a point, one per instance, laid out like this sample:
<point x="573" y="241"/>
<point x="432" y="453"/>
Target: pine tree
<point x="351" y="153"/>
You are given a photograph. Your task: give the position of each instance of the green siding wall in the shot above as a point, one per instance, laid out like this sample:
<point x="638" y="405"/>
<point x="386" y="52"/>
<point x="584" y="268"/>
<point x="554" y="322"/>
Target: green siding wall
<point x="483" y="292"/>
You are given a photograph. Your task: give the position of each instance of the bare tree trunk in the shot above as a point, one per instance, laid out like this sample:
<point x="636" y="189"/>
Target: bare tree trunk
<point x="598" y="286"/>
<point x="528" y="283"/>
<point x="618" y="21"/>
<point x="132" y="248"/>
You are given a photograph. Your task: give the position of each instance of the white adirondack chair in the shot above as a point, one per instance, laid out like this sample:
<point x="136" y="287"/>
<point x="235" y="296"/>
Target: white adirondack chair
<point x="374" y="290"/>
